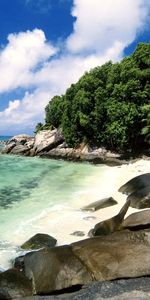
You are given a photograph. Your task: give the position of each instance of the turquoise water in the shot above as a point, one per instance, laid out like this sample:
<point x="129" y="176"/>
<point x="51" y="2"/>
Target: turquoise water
<point x="4" y="137"/>
<point x="35" y="196"/>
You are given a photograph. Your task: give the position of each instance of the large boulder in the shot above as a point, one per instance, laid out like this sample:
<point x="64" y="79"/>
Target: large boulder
<point x="46" y="140"/>
<point x="19" y="144"/>
<point x="138" y="191"/>
<point x="55" y="269"/>
<point x="20" y="149"/>
<point x="8" y="147"/>
<point x="38" y="241"/>
<point x="20" y="139"/>
<point x="136" y="183"/>
<point x="124" y="254"/>
<point x="14" y="285"/>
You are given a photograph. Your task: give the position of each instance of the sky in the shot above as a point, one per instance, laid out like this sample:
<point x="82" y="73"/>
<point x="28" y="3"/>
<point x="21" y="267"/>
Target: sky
<point x="46" y="45"/>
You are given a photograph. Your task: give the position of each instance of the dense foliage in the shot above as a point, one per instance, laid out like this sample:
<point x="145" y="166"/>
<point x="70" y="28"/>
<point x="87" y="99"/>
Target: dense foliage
<point x="108" y="106"/>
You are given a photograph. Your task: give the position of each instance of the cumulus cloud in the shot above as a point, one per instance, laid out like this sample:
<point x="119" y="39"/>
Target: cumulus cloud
<point x="102" y="29"/>
<point x="101" y="24"/>
<point x="24" y="52"/>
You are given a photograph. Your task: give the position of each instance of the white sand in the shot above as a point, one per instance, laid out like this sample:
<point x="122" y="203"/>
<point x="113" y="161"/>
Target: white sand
<point x="62" y="221"/>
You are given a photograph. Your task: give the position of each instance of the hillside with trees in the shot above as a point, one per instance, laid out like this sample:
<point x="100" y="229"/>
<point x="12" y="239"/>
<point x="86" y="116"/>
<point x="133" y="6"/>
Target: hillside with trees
<point x="109" y="106"/>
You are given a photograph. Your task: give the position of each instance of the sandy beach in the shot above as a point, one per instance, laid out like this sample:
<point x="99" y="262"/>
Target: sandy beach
<point x="61" y="222"/>
<point x="63" y="219"/>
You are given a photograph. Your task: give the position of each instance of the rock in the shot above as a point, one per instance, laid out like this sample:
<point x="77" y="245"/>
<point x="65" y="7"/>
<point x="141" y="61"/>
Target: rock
<point x="78" y="233"/>
<point x="89" y="217"/>
<point x="19" y="263"/>
<point x="20" y="139"/>
<point x="46" y="140"/>
<point x="111" y="225"/>
<point x="20" y="149"/>
<point x="137" y="221"/>
<point x="14" y="285"/>
<point x="19" y="144"/>
<point x="124" y="289"/>
<point x="122" y="254"/>
<point x="8" y="147"/>
<point x="38" y="241"/>
<point x="135" y="184"/>
<point x="141" y="198"/>
<point x="55" y="269"/>
<point x="100" y="204"/>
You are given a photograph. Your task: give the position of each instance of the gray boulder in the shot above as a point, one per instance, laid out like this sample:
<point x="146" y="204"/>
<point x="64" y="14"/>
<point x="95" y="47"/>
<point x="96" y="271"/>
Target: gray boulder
<point x="20" y="149"/>
<point x="8" y="147"/>
<point x="19" y="139"/>
<point x="46" y="140"/>
<point x="38" y="241"/>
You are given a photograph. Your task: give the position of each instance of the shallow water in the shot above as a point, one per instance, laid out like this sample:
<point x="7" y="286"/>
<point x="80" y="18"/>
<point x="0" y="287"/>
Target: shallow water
<point x="40" y="195"/>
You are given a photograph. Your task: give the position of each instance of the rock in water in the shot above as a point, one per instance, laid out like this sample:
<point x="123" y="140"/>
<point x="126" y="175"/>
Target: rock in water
<point x="106" y="202"/>
<point x="38" y="241"/>
<point x="141" y="198"/>
<point x="136" y="183"/>
<point x="109" y="226"/>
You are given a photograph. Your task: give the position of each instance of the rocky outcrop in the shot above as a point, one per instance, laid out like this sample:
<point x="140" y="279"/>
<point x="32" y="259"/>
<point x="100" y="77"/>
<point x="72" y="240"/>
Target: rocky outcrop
<point x="122" y="254"/>
<point x="50" y="144"/>
<point x="85" y="153"/>
<point x="124" y="289"/>
<point x="39" y="240"/>
<point x="19" y="144"/>
<point x="46" y="140"/>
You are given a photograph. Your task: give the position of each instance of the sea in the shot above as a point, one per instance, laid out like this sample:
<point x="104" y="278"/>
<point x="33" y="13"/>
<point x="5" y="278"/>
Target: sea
<point x="43" y="196"/>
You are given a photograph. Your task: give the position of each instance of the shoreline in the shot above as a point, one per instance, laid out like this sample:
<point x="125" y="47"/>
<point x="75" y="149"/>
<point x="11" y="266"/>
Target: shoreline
<point x="64" y="220"/>
<point x="62" y="225"/>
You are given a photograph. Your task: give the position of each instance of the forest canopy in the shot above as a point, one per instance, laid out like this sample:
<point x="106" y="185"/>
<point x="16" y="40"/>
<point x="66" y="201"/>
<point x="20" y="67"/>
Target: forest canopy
<point x="109" y="106"/>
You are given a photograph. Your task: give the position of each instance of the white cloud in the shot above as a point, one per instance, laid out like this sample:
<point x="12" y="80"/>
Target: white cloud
<point x="102" y="30"/>
<point x="99" y="24"/>
<point x="22" y="54"/>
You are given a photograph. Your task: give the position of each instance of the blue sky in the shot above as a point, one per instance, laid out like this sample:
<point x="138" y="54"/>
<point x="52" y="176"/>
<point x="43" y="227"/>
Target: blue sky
<point x="48" y="44"/>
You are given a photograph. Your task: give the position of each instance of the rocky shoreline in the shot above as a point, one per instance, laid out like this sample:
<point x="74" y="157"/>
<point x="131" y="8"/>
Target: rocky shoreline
<point x="93" y="268"/>
<point x="119" y="251"/>
<point x="51" y="144"/>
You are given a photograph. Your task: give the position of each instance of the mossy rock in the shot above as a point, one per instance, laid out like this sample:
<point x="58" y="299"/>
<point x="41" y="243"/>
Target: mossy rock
<point x="40" y="240"/>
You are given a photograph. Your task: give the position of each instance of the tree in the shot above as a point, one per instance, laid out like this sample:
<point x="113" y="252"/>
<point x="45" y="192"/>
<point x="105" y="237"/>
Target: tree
<point x="54" y="111"/>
